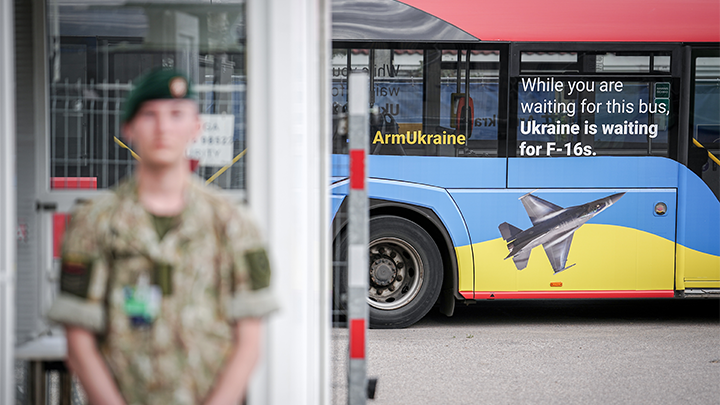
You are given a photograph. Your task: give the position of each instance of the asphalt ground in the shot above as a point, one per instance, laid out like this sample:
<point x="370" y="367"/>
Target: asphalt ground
<point x="546" y="352"/>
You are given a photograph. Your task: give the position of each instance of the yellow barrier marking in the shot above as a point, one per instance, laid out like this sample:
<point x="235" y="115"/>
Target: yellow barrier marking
<point x="713" y="157"/>
<point x="208" y="181"/>
<point x="119" y="142"/>
<point x="221" y="171"/>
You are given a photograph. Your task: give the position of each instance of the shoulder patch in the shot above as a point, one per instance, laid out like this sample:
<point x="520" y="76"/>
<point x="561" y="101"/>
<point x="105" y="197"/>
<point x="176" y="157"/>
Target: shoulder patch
<point x="258" y="268"/>
<point x="75" y="276"/>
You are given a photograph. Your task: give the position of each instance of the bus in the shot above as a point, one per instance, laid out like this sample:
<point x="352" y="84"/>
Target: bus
<point x="527" y="150"/>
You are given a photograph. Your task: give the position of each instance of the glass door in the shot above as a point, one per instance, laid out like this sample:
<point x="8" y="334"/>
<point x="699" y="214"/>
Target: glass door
<point x="705" y="131"/>
<point x="96" y="51"/>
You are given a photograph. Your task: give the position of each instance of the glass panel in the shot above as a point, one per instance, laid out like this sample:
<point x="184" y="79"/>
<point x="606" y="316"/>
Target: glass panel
<point x="340" y="61"/>
<point x="482" y="113"/>
<point x="573" y="117"/>
<point x="397" y="102"/>
<point x="558" y="62"/>
<point x="661" y="64"/>
<point x="614" y="63"/>
<point x="591" y="62"/>
<point x="419" y="100"/>
<point x="99" y="48"/>
<point x="706" y="122"/>
<point x="706" y="119"/>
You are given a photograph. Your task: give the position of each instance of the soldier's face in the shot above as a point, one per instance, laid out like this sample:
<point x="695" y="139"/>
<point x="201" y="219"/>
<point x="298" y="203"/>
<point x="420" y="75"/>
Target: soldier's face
<point x="162" y="130"/>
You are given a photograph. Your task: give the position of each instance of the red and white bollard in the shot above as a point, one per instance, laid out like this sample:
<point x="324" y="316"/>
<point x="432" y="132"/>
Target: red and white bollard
<point x="358" y="236"/>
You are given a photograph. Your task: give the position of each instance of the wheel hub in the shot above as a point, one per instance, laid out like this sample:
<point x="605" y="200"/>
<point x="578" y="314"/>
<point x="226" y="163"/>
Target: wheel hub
<point x="396" y="273"/>
<point x="383" y="272"/>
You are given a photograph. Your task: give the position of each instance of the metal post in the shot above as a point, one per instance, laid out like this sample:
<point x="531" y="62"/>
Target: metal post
<point x="8" y="221"/>
<point x="358" y="235"/>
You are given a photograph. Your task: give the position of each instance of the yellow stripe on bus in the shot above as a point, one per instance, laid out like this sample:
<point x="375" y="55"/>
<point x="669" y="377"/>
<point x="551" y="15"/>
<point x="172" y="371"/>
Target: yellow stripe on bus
<point x="697" y="269"/>
<point x="605" y="257"/>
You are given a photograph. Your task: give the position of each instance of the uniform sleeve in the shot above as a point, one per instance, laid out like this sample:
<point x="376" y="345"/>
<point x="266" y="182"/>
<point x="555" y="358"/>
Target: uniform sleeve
<point x="83" y="274"/>
<point x="251" y="292"/>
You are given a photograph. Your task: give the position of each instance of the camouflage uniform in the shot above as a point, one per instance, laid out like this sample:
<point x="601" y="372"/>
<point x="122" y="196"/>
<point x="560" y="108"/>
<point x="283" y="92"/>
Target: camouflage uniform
<point x="217" y="270"/>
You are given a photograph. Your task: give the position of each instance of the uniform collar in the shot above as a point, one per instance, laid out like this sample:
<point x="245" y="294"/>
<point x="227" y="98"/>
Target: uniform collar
<point x="145" y="240"/>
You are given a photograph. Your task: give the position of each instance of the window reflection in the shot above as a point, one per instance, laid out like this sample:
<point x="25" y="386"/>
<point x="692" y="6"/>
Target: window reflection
<point x="427" y="102"/>
<point x="627" y="121"/>
<point x="98" y="48"/>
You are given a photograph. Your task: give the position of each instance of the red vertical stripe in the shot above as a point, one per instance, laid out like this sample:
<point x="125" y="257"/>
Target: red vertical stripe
<point x="357" y="338"/>
<point x="357" y="169"/>
<point x="59" y="222"/>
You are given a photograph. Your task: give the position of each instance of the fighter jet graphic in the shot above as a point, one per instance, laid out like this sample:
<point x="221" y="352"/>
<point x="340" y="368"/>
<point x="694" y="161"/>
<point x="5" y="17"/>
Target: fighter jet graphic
<point x="553" y="228"/>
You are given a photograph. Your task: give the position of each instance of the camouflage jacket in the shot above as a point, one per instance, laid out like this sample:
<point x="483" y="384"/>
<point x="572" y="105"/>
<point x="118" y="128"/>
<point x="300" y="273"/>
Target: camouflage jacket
<point x="163" y="345"/>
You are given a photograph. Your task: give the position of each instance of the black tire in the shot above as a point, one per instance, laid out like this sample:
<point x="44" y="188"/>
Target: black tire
<point x="405" y="274"/>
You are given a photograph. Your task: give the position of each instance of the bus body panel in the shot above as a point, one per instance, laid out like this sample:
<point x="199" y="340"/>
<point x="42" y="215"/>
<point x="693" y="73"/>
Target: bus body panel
<point x="612" y="20"/>
<point x="336" y="200"/>
<point x="444" y="172"/>
<point x="698" y="219"/>
<point x="624" y="248"/>
<point x="434" y="198"/>
<point x="589" y="172"/>
<point x="698" y="249"/>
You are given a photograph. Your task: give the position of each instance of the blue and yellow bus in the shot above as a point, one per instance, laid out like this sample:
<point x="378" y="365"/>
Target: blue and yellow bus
<point x="520" y="150"/>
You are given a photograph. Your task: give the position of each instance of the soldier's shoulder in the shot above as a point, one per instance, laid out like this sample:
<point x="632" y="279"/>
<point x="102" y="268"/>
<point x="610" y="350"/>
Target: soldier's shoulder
<point x="94" y="207"/>
<point x="212" y="198"/>
<point x="100" y="208"/>
<point x="227" y="210"/>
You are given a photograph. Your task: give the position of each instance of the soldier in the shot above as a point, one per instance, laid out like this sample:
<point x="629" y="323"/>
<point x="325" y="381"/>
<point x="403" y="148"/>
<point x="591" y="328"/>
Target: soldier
<point x="163" y="282"/>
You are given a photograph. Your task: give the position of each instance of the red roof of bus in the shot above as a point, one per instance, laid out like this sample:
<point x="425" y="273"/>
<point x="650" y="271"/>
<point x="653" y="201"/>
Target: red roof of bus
<point x="581" y="20"/>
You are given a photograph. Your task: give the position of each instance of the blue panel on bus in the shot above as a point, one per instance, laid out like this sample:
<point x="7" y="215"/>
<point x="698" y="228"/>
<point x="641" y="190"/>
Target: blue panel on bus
<point x="446" y="172"/>
<point x="339" y="166"/>
<point x="588" y="172"/>
<point x="434" y="198"/>
<point x="336" y="201"/>
<point x="482" y="198"/>
<point x="485" y="210"/>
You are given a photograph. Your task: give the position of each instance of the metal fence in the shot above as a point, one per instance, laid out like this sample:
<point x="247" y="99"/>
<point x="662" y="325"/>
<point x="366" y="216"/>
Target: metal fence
<point x="86" y="136"/>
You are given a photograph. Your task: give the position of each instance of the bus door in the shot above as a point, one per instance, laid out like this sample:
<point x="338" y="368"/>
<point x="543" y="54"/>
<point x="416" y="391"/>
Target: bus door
<point x="465" y="94"/>
<point x="698" y="260"/>
<point x="590" y="207"/>
<point x="704" y="148"/>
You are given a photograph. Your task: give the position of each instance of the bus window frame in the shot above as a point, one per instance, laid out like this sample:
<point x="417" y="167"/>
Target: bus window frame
<point x="674" y="50"/>
<point x="699" y="51"/>
<point x="502" y="48"/>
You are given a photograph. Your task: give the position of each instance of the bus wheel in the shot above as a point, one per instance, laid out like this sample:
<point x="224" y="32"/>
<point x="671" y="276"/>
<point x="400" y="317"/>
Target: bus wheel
<point x="405" y="272"/>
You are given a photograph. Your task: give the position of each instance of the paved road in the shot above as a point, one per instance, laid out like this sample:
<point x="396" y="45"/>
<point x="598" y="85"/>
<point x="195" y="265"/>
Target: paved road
<point x="547" y="352"/>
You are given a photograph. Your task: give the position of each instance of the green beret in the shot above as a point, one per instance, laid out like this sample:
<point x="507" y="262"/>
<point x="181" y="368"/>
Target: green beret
<point x="158" y="84"/>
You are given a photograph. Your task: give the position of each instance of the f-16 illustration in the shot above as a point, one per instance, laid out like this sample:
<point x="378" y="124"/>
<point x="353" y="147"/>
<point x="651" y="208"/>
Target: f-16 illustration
<point x="553" y="228"/>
